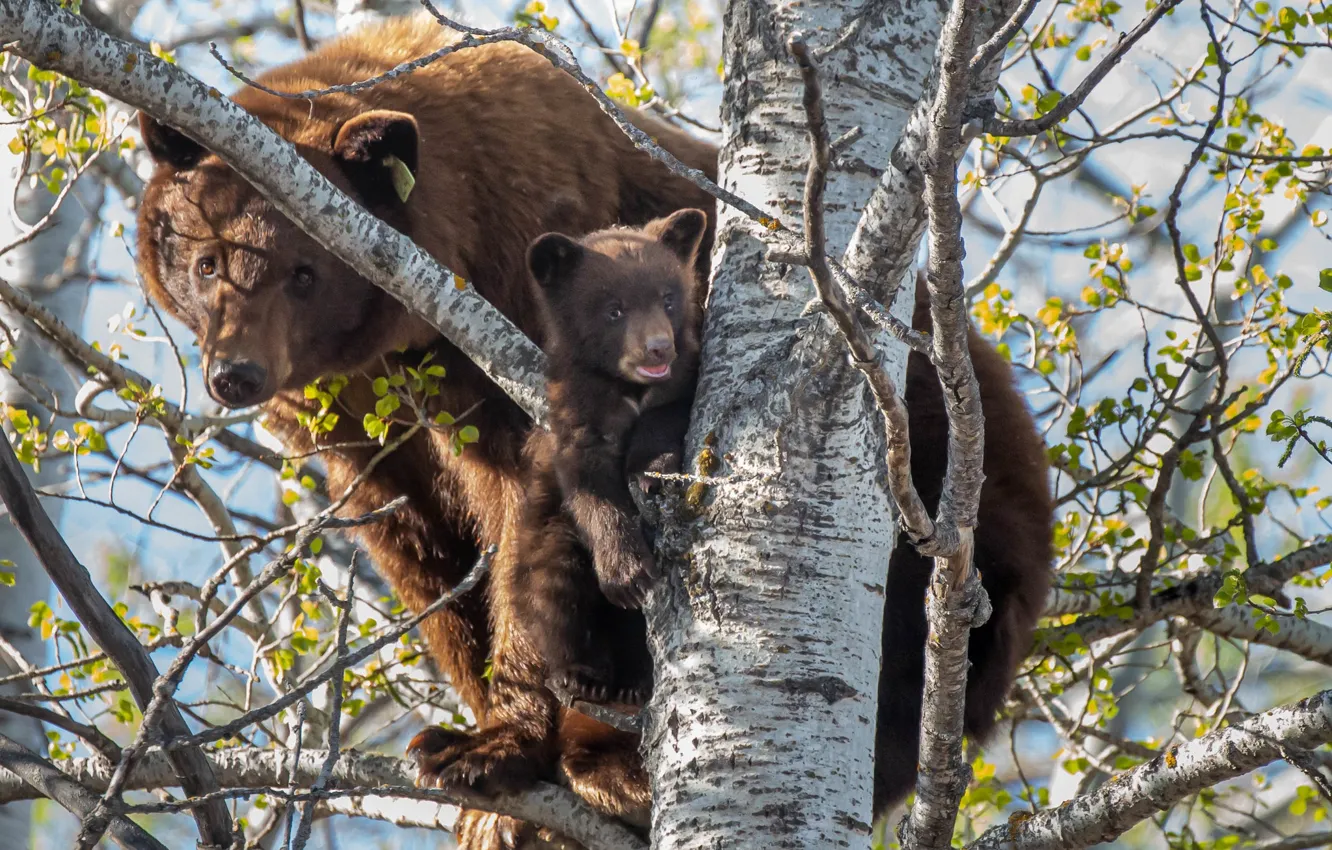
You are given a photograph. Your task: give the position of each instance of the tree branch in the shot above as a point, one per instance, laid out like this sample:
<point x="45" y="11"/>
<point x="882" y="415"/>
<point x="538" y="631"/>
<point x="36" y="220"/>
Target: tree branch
<point x="1187" y="599"/>
<point x="1175" y="774"/>
<point x="53" y="38"/>
<point x="883" y="248"/>
<point x="83" y="598"/>
<point x="92" y="736"/>
<point x="1065" y="107"/>
<point x="356" y="779"/>
<point x="956" y="602"/>
<point x="45" y="779"/>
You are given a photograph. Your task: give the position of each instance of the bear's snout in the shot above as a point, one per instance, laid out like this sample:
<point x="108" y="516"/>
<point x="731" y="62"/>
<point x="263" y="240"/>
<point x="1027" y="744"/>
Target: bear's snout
<point x="236" y="383"/>
<point x="660" y="349"/>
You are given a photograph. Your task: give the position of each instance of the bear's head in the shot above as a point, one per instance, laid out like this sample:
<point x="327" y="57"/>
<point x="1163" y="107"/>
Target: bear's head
<point x="272" y="310"/>
<point x="620" y="302"/>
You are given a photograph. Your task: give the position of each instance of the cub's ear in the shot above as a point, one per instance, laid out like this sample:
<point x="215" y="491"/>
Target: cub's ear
<point x="168" y="146"/>
<point x="681" y="232"/>
<point x="552" y="258"/>
<point x="363" y="148"/>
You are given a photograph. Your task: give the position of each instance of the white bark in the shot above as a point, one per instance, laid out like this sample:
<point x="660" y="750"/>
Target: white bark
<point x="388" y="784"/>
<point x="767" y="638"/>
<point x="1175" y="774"/>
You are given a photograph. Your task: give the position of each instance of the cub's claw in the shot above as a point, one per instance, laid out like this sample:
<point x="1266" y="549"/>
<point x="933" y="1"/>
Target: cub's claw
<point x="627" y="582"/>
<point x="579" y="682"/>
<point x="491" y="761"/>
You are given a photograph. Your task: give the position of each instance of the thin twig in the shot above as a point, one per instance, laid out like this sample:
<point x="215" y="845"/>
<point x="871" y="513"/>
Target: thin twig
<point x="1066" y="106"/>
<point x="46" y="778"/>
<point x="106" y="628"/>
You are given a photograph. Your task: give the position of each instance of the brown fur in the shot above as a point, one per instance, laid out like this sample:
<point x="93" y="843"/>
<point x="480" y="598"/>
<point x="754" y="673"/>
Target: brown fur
<point x="509" y="147"/>
<point x="505" y="147"/>
<point x="615" y="301"/>
<point x="578" y="500"/>
<point x="1013" y="552"/>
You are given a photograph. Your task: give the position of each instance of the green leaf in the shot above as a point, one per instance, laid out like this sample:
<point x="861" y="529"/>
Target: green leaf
<point x="386" y="405"/>
<point x="1325" y="280"/>
<point x="380" y="386"/>
<point x="7" y="579"/>
<point x="1048" y="101"/>
<point x="469" y="434"/>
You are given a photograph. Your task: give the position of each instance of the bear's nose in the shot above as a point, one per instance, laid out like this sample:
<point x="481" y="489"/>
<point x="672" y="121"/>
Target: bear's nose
<point x="661" y="349"/>
<point x="236" y="383"/>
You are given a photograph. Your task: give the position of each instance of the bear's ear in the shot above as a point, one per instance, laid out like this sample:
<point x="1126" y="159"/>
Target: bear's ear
<point x="168" y="146"/>
<point x="552" y="258"/>
<point x="366" y="146"/>
<point x="681" y="232"/>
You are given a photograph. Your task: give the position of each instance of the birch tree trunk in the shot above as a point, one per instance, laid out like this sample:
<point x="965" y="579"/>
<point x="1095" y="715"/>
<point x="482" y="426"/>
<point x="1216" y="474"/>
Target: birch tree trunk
<point x="767" y="634"/>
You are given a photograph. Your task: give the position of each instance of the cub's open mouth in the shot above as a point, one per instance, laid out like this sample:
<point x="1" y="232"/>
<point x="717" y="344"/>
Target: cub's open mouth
<point x="655" y="373"/>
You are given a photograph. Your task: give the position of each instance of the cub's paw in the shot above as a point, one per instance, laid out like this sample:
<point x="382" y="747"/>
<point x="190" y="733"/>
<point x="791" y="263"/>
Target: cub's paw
<point x="492" y="761"/>
<point x="663" y="464"/>
<point x="580" y="681"/>
<point x="627" y="575"/>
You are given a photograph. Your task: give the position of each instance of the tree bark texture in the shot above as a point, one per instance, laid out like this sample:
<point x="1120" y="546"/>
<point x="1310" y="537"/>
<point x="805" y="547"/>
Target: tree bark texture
<point x="767" y="633"/>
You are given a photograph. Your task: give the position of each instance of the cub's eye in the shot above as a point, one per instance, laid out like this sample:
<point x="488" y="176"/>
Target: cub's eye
<point x="668" y="301"/>
<point x="207" y="267"/>
<point x="302" y="280"/>
<point x="614" y="313"/>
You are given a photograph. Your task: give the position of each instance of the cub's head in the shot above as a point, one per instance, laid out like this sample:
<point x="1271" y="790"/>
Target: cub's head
<point x="271" y="308"/>
<point x="621" y="301"/>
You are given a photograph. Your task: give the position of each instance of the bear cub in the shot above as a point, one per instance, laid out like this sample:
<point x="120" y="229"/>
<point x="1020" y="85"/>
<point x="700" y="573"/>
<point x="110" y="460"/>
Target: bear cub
<point x="622" y="339"/>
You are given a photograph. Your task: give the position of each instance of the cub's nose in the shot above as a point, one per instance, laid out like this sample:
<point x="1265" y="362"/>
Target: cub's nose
<point x="661" y="349"/>
<point x="236" y="383"/>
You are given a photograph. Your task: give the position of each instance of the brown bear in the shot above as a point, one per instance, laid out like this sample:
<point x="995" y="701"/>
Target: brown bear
<point x="622" y="340"/>
<point x="622" y="344"/>
<point x="503" y="147"/>
<point x="569" y="625"/>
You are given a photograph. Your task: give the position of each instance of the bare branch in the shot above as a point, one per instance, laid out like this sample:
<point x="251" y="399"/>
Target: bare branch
<point x="50" y="782"/>
<point x="956" y="602"/>
<point x="87" y="603"/>
<point x="1170" y="777"/>
<point x="994" y="48"/>
<point x="357" y="779"/>
<point x="90" y="735"/>
<point x="1065" y="107"/>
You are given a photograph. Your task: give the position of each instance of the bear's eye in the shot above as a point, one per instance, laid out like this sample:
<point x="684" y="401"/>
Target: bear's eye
<point x="207" y="267"/>
<point x="302" y="280"/>
<point x="614" y="313"/>
<point x="668" y="301"/>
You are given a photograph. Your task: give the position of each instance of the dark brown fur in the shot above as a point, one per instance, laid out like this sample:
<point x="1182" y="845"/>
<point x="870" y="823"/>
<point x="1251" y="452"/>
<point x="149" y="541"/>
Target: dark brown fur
<point x="505" y="147"/>
<point x="615" y="301"/>
<point x="509" y="147"/>
<point x="1013" y="554"/>
<point x="610" y="297"/>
